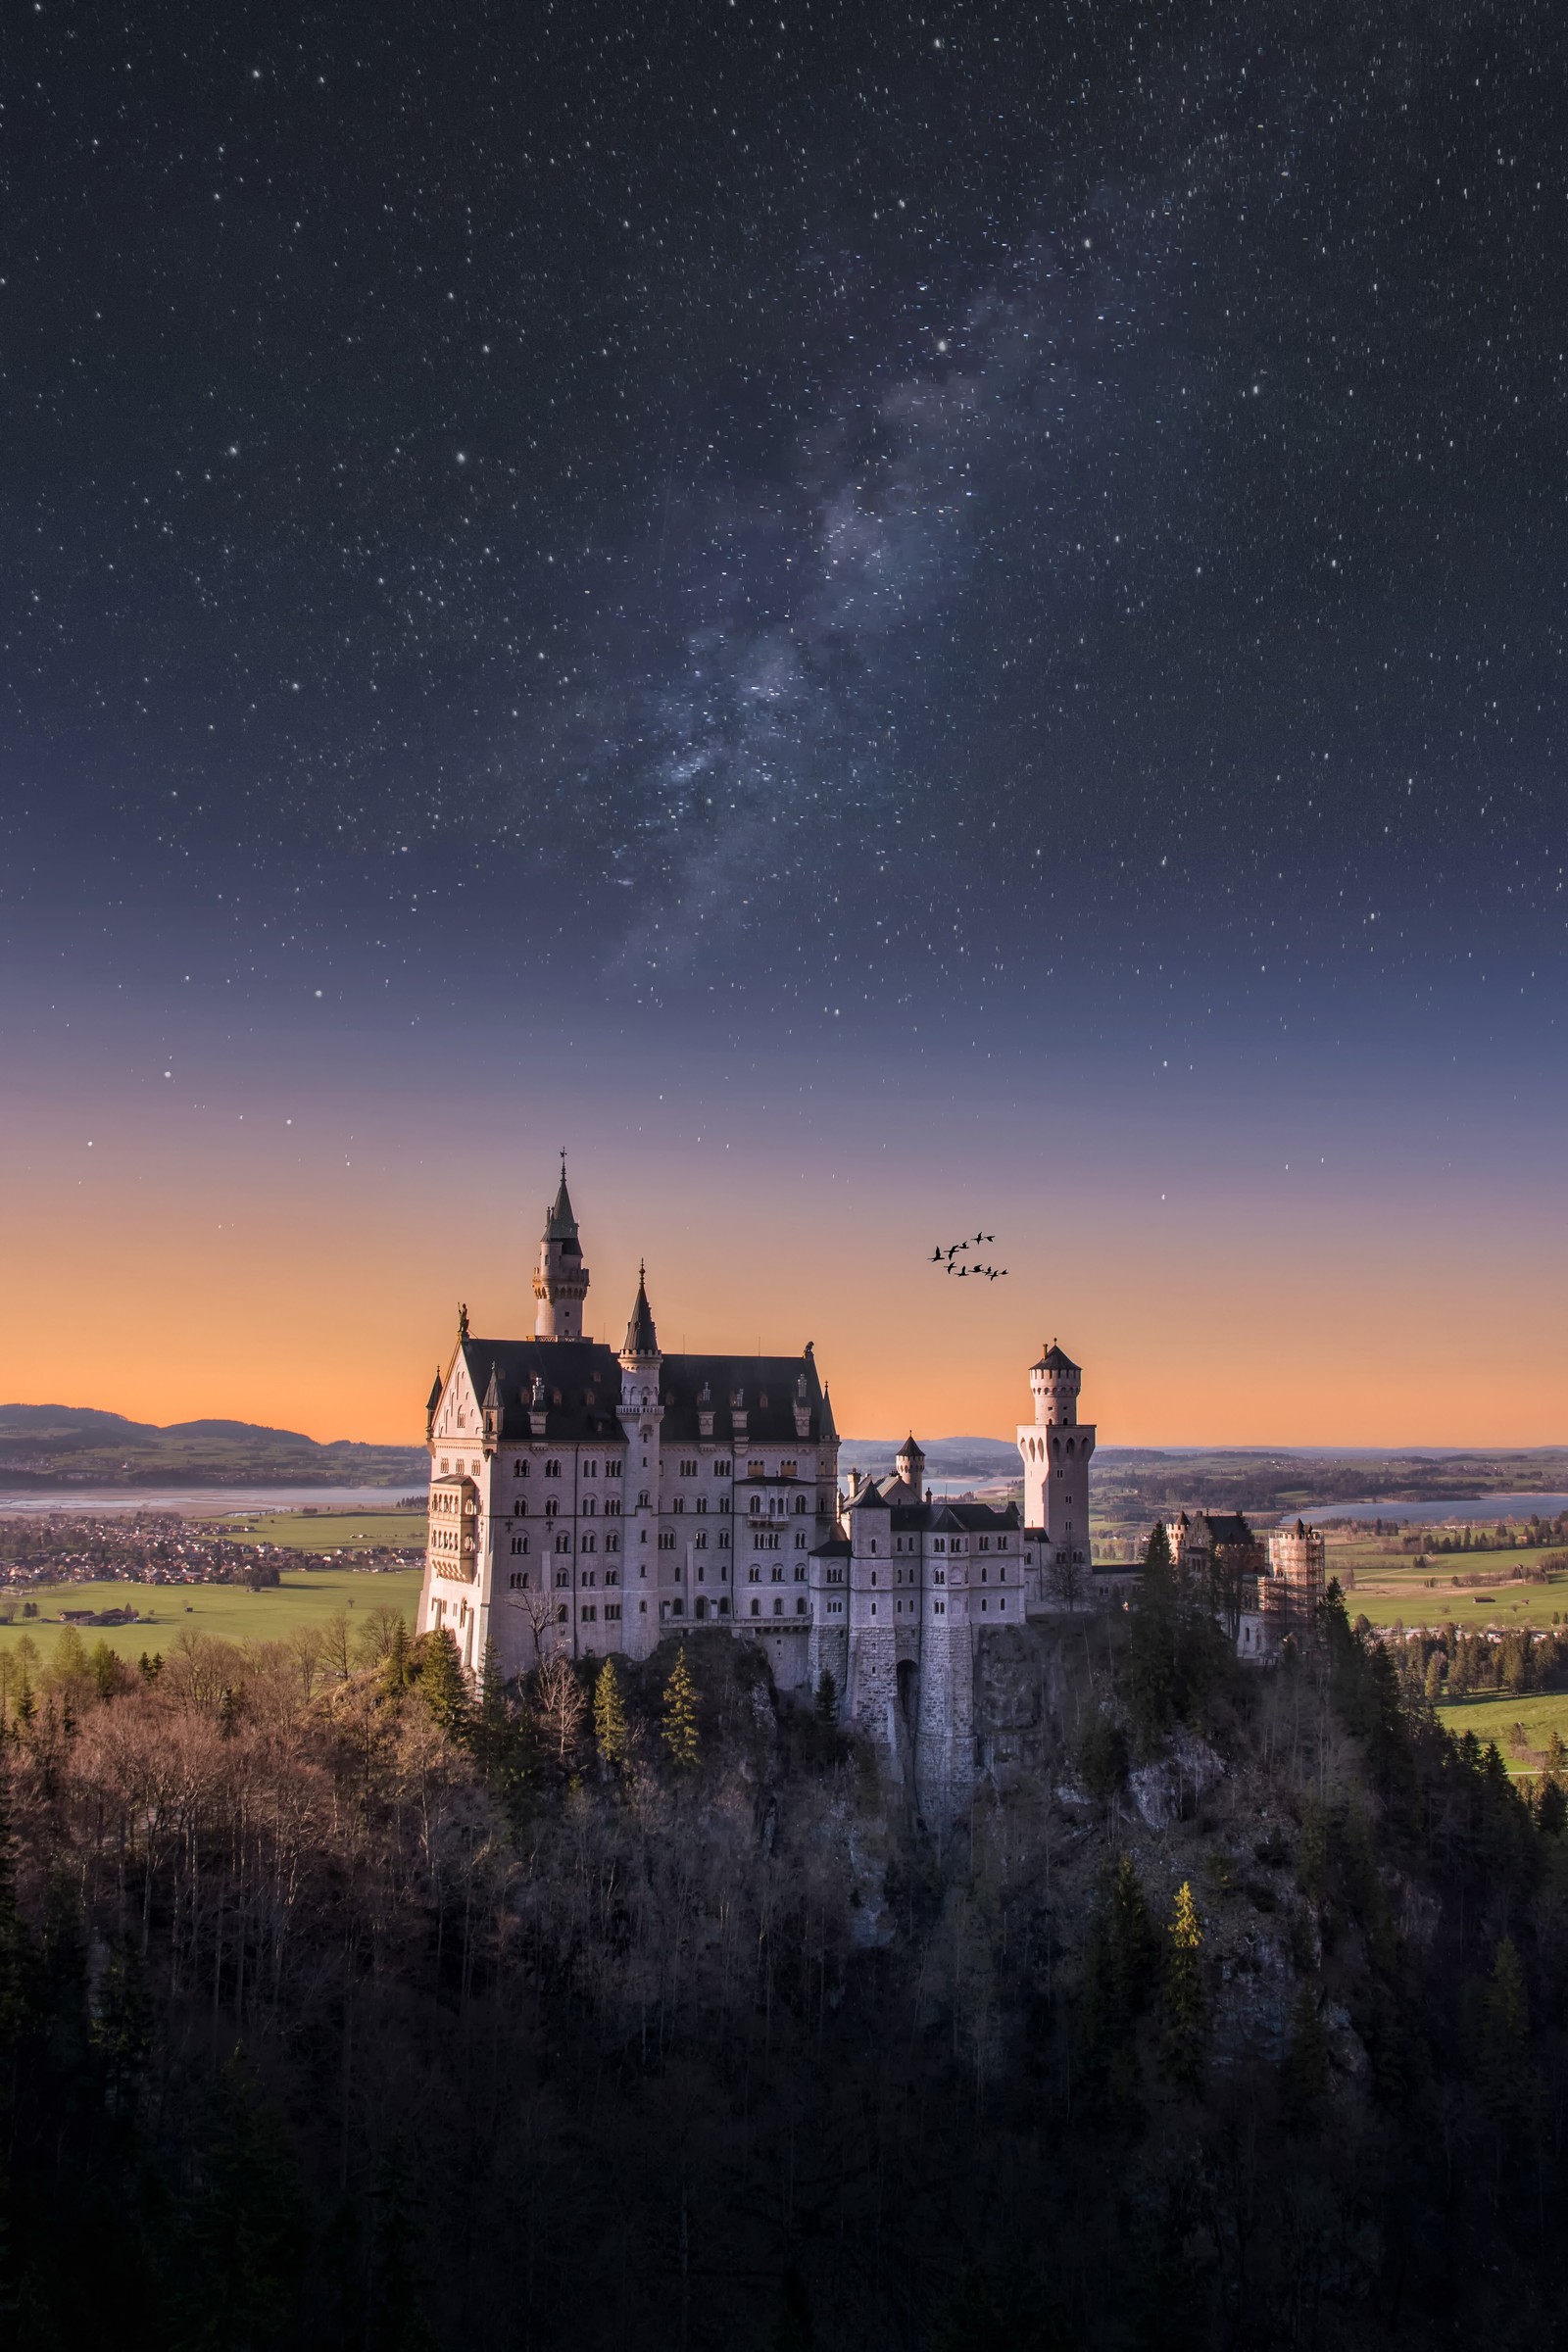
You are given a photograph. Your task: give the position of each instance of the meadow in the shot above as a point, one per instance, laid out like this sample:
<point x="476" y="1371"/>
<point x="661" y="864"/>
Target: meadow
<point x="338" y="1531"/>
<point x="228" y="1610"/>
<point x="1391" y="1590"/>
<point x="1500" y="1716"/>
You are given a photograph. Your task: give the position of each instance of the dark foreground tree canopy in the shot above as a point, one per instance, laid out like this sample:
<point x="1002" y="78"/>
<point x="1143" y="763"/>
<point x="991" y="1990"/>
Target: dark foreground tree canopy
<point x="633" y="2011"/>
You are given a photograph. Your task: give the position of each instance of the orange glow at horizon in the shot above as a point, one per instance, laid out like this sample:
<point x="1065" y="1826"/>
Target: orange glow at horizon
<point x="318" y="1298"/>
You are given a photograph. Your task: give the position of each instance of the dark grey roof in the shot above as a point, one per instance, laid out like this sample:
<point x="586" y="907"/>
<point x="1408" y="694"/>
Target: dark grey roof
<point x="837" y="1548"/>
<point x="641" y="1336"/>
<point x="954" y="1518"/>
<point x="912" y="1448"/>
<point x="867" y="1497"/>
<point x="1055" y="1359"/>
<point x="560" y="1223"/>
<point x="572" y="1368"/>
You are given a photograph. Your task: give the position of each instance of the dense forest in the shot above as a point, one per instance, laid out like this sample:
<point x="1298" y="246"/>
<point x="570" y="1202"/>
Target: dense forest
<point x="341" y="2005"/>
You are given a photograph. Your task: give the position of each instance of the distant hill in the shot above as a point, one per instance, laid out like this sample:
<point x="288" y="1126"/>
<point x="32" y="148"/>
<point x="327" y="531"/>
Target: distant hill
<point x="52" y="1445"/>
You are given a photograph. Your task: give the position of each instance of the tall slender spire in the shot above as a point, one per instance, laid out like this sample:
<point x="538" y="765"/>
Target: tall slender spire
<point x="642" y="1340"/>
<point x="561" y="1279"/>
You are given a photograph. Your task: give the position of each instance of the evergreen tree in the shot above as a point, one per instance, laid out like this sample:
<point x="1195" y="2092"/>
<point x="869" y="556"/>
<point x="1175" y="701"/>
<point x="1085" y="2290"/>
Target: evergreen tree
<point x="827" y="1698"/>
<point x="609" y="1718"/>
<point x="1304" y="2073"/>
<point x="443" y="1684"/>
<point x="1119" y="1974"/>
<point x="679" y="1726"/>
<point x="397" y="1668"/>
<point x="1506" y="2076"/>
<point x="1152" y="1681"/>
<point x="15" y="1954"/>
<point x="492" y="1732"/>
<point x="1184" y="2012"/>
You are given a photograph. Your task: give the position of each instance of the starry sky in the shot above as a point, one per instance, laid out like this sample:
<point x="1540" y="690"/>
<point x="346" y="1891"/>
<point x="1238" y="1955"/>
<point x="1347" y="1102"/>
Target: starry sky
<point x="880" y="621"/>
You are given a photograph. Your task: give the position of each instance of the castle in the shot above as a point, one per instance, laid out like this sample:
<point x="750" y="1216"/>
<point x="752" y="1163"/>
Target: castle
<point x="590" y="1500"/>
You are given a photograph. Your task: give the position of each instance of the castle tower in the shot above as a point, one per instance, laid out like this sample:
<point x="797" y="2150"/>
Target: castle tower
<point x="561" y="1279"/>
<point x="910" y="1467"/>
<point x="1055" y="1447"/>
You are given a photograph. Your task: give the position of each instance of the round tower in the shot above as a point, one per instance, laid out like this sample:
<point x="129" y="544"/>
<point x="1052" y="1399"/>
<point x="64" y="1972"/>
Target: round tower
<point x="910" y="1464"/>
<point x="561" y="1279"/>
<point x="1055" y="1382"/>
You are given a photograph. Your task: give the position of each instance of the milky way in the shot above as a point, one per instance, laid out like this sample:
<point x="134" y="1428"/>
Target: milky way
<point x="802" y="496"/>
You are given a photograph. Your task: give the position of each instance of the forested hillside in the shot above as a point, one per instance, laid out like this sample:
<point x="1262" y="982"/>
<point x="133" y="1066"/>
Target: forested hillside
<point x="341" y="2008"/>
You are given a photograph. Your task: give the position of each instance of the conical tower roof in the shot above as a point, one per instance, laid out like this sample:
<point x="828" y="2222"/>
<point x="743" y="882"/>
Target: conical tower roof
<point x="560" y="1223"/>
<point x="641" y="1336"/>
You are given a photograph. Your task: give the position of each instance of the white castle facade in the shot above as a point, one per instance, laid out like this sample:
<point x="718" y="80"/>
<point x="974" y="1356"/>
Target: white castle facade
<point x="593" y="1500"/>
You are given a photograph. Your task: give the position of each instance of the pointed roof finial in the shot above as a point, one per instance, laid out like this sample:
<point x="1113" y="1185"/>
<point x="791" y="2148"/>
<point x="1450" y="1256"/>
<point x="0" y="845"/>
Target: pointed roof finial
<point x="560" y="1223"/>
<point x="642" y="1339"/>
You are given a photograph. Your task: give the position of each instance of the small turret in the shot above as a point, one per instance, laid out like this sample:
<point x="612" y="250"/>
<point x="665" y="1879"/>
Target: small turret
<point x="642" y="1340"/>
<point x="432" y="1404"/>
<point x="561" y="1279"/>
<point x="1054" y="1382"/>
<point x="491" y="1408"/>
<point x="911" y="1464"/>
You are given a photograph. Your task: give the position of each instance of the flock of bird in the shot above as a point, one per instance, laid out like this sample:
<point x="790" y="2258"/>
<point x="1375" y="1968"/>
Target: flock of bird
<point x="945" y="1258"/>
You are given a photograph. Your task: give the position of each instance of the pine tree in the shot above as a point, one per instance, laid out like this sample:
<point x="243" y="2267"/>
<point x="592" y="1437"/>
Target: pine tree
<point x="443" y="1684"/>
<point x="609" y="1718"/>
<point x="1184" y="2012"/>
<point x="1506" y="2078"/>
<point x="1120" y="1974"/>
<point x="1152" y="1675"/>
<point x="827" y="1698"/>
<point x="1305" y="2071"/>
<point x="679" y="1729"/>
<point x="397" y="1670"/>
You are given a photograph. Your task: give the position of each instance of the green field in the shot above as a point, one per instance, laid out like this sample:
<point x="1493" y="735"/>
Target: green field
<point x="339" y="1531"/>
<point x="1542" y="1712"/>
<point x="228" y="1610"/>
<point x="1386" y="1591"/>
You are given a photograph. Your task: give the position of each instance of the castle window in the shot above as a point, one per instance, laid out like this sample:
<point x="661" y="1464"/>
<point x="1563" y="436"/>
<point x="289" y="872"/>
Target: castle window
<point x="702" y="1502"/>
<point x="589" y="1504"/>
<point x="612" y="1576"/>
<point x="939" y="1608"/>
<point x="552" y="1469"/>
<point x="939" y="1544"/>
<point x="755" y="1470"/>
<point x="700" y="1542"/>
<point x="446" y="1468"/>
<point x="799" y="1576"/>
<point x="613" y="1613"/>
<point x="612" y="1469"/>
<point x="611" y="1543"/>
<point x="757" y="1502"/>
<point x="677" y="1608"/>
<point x="756" y="1608"/>
<point x="553" y="1508"/>
<point x="666" y="1539"/>
<point x="723" y="1504"/>
<point x="724" y="1539"/>
<point x="560" y="1614"/>
<point x="590" y="1616"/>
<point x="520" y="1509"/>
<point x="778" y="1576"/>
<point x="724" y="1606"/>
<point x="688" y="1469"/>
<point x="722" y="1469"/>
<point x="588" y="1544"/>
<point x="563" y="1542"/>
<point x="520" y="1468"/>
<point x="753" y="1576"/>
<point x="563" y="1579"/>
<point x="519" y="1581"/>
<point x="778" y="1608"/>
<point x="800" y="1607"/>
<point x="800" y="1542"/>
<point x="520" y="1543"/>
<point x="611" y="1507"/>
<point x="590" y="1469"/>
<point x="679" y="1503"/>
<point x="786" y="1470"/>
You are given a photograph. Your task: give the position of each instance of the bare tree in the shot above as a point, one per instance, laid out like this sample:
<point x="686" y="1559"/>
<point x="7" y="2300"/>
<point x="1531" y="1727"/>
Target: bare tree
<point x="559" y="1704"/>
<point x="1068" y="1577"/>
<point x="539" y="1609"/>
